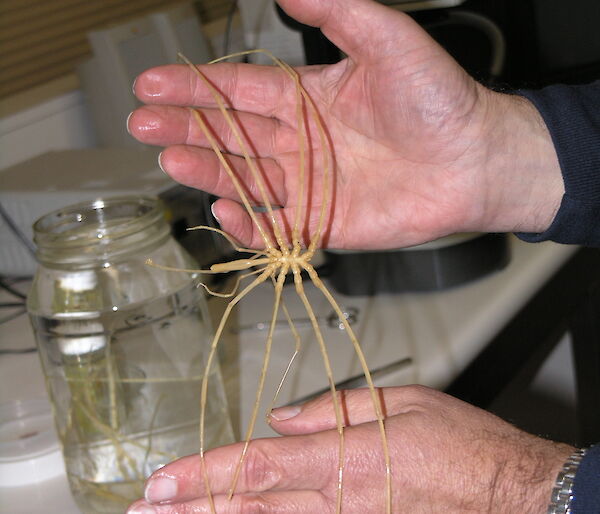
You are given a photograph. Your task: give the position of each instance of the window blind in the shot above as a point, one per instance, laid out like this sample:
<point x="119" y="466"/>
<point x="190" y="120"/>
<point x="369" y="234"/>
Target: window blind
<point x="41" y="40"/>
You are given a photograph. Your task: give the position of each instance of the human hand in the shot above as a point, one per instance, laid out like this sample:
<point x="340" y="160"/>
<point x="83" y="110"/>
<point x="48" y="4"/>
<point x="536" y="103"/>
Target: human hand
<point x="421" y="149"/>
<point x="447" y="456"/>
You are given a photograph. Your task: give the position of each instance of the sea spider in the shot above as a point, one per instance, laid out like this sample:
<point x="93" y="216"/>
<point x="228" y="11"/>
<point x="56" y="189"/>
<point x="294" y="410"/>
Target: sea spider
<point x="274" y="262"/>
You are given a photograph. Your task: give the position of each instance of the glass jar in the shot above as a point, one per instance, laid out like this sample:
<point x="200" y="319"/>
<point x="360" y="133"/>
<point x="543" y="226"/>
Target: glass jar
<point x="123" y="346"/>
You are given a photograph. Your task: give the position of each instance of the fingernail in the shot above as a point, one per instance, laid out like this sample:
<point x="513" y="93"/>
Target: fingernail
<point x="160" y="490"/>
<point x="212" y="210"/>
<point x="283" y="413"/>
<point x="141" y="508"/>
<point x="133" y="86"/>
<point x="127" y="122"/>
<point x="160" y="162"/>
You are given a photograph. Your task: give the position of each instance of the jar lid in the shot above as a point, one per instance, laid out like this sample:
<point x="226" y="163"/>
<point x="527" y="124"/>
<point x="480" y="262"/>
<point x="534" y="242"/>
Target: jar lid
<point x="29" y="448"/>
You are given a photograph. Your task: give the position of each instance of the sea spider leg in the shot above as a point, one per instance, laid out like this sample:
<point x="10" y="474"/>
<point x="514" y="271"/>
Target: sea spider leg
<point x="336" y="401"/>
<point x="235" y="287"/>
<point x="300" y="131"/>
<point x="302" y="260"/>
<point x="212" y="271"/>
<point x="308" y="255"/>
<point x="261" y="383"/>
<point x="301" y="147"/>
<point x="247" y="264"/>
<point x="218" y="98"/>
<point x="301" y="93"/>
<point x="297" y="345"/>
<point x="317" y="281"/>
<point x="265" y="237"/>
<point x="301" y="166"/>
<point x="267" y="272"/>
<point x="229" y="239"/>
<point x="150" y="262"/>
<point x="297" y="215"/>
<point x="374" y="398"/>
<point x="326" y="162"/>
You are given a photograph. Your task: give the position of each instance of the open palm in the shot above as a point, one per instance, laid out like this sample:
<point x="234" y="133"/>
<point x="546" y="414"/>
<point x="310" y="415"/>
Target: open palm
<point x="406" y="123"/>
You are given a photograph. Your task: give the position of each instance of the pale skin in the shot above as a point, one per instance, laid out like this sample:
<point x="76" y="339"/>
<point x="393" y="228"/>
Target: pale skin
<point x="447" y="456"/>
<point x="421" y="151"/>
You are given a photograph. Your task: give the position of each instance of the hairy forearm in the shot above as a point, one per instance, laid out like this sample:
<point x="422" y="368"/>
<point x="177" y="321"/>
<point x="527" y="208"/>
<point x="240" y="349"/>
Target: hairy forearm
<point x="526" y="478"/>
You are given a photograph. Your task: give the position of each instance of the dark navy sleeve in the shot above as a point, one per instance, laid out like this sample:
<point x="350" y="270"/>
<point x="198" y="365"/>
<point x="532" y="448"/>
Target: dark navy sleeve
<point x="586" y="488"/>
<point x="572" y="115"/>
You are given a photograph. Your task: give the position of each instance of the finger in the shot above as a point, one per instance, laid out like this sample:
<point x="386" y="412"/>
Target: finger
<point x="235" y="220"/>
<point x="362" y="29"/>
<point x="201" y="168"/>
<point x="357" y="406"/>
<point x="167" y="125"/>
<point x="284" y="502"/>
<point x="263" y="90"/>
<point x="275" y="464"/>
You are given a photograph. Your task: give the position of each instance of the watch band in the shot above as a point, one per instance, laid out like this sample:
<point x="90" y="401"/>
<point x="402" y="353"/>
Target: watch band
<point x="562" y="494"/>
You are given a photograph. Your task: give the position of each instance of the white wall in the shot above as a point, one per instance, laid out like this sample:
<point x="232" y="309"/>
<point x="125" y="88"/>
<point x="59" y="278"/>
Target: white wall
<point x="63" y="122"/>
<point x="60" y="123"/>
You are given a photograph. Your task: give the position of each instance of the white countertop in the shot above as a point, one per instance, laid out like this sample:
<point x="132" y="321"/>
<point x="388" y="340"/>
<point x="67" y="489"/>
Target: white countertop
<point x="441" y="332"/>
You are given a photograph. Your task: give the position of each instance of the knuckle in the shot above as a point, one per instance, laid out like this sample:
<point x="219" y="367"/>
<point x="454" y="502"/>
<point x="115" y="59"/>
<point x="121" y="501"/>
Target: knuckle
<point x="417" y="398"/>
<point x="347" y="396"/>
<point x="261" y="471"/>
<point x="418" y="392"/>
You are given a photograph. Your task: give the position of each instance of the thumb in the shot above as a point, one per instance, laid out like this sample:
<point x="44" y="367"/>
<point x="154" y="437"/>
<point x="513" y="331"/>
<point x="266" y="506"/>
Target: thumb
<point x="362" y="29"/>
<point x="356" y="404"/>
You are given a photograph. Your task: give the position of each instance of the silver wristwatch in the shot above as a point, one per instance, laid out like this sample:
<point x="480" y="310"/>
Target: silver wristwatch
<point x="562" y="494"/>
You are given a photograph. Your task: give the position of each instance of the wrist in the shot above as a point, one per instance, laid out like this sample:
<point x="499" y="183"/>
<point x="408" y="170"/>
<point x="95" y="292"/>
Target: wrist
<point x="526" y="482"/>
<point x="523" y="182"/>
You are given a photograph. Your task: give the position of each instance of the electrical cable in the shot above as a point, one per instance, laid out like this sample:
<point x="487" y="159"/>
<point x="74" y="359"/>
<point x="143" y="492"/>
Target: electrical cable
<point x="12" y="316"/>
<point x="9" y="305"/>
<point x="491" y="30"/>
<point x="11" y="351"/>
<point x="227" y="37"/>
<point x="488" y="28"/>
<point x="29" y="246"/>
<point x="7" y="284"/>
<point x="9" y="289"/>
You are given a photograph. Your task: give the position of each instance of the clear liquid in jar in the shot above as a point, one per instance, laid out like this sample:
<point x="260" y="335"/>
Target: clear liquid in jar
<point x="126" y="385"/>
